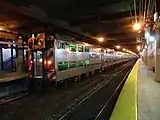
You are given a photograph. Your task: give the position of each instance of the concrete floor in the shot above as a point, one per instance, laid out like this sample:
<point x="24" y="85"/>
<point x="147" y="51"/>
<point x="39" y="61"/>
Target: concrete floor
<point x="12" y="76"/>
<point x="148" y="94"/>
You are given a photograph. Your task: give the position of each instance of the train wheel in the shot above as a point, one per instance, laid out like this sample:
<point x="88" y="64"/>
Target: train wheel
<point x="87" y="75"/>
<point x="92" y="73"/>
<point x="75" y="79"/>
<point x="79" y="77"/>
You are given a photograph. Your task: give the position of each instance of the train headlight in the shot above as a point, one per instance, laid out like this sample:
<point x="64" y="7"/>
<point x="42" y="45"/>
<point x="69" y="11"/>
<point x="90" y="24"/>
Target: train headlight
<point x="40" y="60"/>
<point x="49" y="62"/>
<point x="31" y="62"/>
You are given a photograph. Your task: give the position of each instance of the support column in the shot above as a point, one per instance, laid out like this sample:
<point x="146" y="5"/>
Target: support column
<point x="145" y="56"/>
<point x="19" y="60"/>
<point x="157" y="57"/>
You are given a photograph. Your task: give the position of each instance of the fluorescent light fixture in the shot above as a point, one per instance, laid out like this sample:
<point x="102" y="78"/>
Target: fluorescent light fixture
<point x="137" y="26"/>
<point x="147" y="35"/>
<point x="151" y="38"/>
<point x="145" y="47"/>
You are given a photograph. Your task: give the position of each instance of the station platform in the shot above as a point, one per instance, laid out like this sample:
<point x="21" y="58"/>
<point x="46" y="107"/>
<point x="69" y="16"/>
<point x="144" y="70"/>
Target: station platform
<point x="12" y="76"/>
<point x="12" y="84"/>
<point x="140" y="96"/>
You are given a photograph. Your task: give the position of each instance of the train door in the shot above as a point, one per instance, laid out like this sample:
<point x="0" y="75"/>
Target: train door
<point x="38" y="64"/>
<point x="36" y="68"/>
<point x="42" y="66"/>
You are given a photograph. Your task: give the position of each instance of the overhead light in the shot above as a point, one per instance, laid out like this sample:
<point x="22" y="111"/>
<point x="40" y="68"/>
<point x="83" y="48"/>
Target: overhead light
<point x="33" y="35"/>
<point x="137" y="26"/>
<point x="118" y="47"/>
<point x="151" y="38"/>
<point x="140" y="53"/>
<point x="1" y="28"/>
<point x="138" y="48"/>
<point x="124" y="49"/>
<point x="40" y="60"/>
<point x="147" y="35"/>
<point x="145" y="47"/>
<point x="101" y="39"/>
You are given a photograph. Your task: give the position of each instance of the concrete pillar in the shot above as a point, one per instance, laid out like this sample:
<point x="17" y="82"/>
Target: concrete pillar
<point x="145" y="54"/>
<point x="157" y="57"/>
<point x="19" y="60"/>
<point x="151" y="55"/>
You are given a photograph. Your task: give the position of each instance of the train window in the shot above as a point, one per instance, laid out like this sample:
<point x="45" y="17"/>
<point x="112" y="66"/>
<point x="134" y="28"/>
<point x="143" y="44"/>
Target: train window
<point x="72" y="47"/>
<point x="86" y="49"/>
<point x="62" y="66"/>
<point x="87" y="63"/>
<point x="80" y="63"/>
<point x="61" y="45"/>
<point x="72" y="64"/>
<point x="80" y="48"/>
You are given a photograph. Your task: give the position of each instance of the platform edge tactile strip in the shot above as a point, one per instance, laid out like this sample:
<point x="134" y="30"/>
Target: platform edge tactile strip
<point x="126" y="106"/>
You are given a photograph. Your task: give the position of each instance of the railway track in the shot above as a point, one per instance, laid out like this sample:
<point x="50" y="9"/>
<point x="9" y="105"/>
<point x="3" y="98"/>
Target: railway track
<point x="94" y="105"/>
<point x="104" y="113"/>
<point x="34" y="106"/>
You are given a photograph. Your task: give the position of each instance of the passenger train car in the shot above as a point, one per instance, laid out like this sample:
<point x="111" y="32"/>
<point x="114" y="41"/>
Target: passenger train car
<point x="77" y="58"/>
<point x="70" y="59"/>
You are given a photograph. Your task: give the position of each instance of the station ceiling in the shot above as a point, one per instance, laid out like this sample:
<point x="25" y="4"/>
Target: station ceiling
<point x="111" y="19"/>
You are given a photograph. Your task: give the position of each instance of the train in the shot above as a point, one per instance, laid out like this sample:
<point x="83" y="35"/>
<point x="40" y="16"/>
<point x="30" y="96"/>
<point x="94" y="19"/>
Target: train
<point x="67" y="59"/>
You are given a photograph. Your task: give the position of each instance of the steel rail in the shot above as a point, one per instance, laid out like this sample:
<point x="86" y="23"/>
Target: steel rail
<point x="95" y="90"/>
<point x="113" y="94"/>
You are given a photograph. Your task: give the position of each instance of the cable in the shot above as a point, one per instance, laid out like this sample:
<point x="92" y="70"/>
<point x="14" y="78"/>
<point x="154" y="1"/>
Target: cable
<point x="145" y="7"/>
<point x="139" y="10"/>
<point x="153" y="6"/>
<point x="135" y="10"/>
<point x="131" y="14"/>
<point x="148" y="8"/>
<point x="141" y="14"/>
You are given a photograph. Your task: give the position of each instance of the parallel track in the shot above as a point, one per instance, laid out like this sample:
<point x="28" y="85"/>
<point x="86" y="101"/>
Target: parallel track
<point x="101" y="114"/>
<point x="55" y="99"/>
<point x="21" y="95"/>
<point x="85" y="104"/>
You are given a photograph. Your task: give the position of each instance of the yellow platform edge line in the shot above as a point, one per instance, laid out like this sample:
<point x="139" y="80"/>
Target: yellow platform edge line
<point x="126" y="105"/>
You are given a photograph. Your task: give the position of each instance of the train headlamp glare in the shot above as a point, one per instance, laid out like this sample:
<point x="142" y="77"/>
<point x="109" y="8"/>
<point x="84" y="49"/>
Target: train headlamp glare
<point x="49" y="62"/>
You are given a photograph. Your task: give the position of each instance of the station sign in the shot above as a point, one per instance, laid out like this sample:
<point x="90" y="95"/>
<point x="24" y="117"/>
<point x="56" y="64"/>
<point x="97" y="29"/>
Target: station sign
<point x="40" y="38"/>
